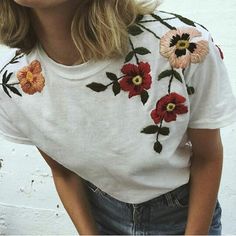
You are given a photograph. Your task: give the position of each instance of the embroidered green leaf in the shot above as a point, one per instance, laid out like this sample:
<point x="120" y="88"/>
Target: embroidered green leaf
<point x="181" y="18"/>
<point x="139" y="18"/>
<point x="14" y="62"/>
<point x="97" y="87"/>
<point x="116" y="88"/>
<point x="19" y="54"/>
<point x="135" y="30"/>
<point x="14" y="90"/>
<point x="164" y="131"/>
<point x="129" y="57"/>
<point x="144" y="96"/>
<point x="165" y="74"/>
<point x="186" y="20"/>
<point x="177" y="76"/>
<point x="112" y="76"/>
<point x="141" y="51"/>
<point x="5" y="77"/>
<point x="9" y="76"/>
<point x="5" y="90"/>
<point x="157" y="147"/>
<point x="190" y="90"/>
<point x="202" y="26"/>
<point x="152" y="129"/>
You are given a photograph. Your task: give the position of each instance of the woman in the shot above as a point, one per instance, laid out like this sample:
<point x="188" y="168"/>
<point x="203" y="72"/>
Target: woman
<point x="125" y="104"/>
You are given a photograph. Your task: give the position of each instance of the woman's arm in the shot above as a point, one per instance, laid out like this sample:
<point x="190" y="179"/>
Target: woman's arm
<point x="205" y="178"/>
<point x="72" y="193"/>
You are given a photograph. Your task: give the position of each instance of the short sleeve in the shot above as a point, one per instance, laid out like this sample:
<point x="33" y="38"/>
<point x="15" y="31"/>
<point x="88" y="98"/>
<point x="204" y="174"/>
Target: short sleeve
<point x="8" y="131"/>
<point x="213" y="104"/>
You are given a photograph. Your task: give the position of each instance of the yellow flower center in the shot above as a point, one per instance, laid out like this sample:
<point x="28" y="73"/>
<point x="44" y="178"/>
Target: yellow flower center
<point x="182" y="44"/>
<point x="137" y="80"/>
<point x="29" y="76"/>
<point x="170" y="107"/>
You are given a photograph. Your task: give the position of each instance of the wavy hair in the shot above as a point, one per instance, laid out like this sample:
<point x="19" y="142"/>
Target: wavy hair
<point x="98" y="29"/>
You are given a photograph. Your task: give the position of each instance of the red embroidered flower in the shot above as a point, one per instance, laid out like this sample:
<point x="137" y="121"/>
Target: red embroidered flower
<point x="137" y="78"/>
<point x="168" y="107"/>
<point x="31" y="78"/>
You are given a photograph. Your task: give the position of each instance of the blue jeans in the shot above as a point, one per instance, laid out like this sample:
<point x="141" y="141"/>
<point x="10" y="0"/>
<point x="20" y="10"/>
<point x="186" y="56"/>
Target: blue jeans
<point x="163" y="215"/>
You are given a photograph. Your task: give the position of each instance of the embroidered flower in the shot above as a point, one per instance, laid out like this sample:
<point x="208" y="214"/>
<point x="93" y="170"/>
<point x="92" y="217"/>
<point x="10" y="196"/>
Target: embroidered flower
<point x="31" y="78"/>
<point x="178" y="46"/>
<point x="168" y="107"/>
<point x="137" y="78"/>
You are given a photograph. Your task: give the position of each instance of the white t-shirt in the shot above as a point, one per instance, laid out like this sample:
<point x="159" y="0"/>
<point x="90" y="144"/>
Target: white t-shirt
<point x="121" y="124"/>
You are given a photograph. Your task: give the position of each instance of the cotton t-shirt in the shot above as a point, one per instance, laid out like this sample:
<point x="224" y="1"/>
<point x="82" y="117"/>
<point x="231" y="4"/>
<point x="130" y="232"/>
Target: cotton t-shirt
<point x="121" y="123"/>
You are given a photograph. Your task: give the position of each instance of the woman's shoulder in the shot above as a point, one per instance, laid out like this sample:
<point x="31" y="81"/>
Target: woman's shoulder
<point x="19" y="73"/>
<point x="181" y="40"/>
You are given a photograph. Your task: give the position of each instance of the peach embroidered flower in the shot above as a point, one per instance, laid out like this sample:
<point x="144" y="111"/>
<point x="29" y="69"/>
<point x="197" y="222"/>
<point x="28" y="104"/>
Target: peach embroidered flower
<point x="31" y="78"/>
<point x="178" y="46"/>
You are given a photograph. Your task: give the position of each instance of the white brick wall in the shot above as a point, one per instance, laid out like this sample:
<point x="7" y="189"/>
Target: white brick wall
<point x="29" y="203"/>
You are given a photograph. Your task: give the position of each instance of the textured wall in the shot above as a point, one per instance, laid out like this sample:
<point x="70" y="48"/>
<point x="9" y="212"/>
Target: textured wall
<point x="29" y="203"/>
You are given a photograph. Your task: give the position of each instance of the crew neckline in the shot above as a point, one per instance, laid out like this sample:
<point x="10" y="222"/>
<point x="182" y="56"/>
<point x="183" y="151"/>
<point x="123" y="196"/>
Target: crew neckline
<point x="73" y="72"/>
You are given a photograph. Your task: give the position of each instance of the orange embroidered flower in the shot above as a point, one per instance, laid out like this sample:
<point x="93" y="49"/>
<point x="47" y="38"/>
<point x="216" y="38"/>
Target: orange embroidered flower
<point x="31" y="78"/>
<point x="178" y="47"/>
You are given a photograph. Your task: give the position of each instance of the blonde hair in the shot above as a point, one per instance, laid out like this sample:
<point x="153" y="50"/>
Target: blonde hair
<point x="99" y="27"/>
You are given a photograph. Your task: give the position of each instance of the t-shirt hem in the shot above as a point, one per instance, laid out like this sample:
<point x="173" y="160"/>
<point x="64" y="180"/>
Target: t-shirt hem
<point x="15" y="139"/>
<point x="213" y="124"/>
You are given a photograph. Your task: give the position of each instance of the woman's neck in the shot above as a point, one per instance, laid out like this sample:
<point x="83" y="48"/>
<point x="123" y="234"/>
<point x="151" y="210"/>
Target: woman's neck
<point x="53" y="29"/>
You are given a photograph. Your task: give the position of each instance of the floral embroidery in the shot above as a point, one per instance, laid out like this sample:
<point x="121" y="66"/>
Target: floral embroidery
<point x="167" y="109"/>
<point x="31" y="78"/>
<point x="137" y="78"/>
<point x="177" y="46"/>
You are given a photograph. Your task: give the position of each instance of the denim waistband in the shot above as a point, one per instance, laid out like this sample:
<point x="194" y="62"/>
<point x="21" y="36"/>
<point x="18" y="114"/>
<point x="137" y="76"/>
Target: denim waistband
<point x="179" y="191"/>
<point x="166" y="197"/>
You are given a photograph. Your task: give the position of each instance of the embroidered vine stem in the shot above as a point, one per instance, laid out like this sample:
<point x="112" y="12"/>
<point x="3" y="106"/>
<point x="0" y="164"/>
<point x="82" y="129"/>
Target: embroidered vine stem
<point x="149" y="30"/>
<point x="159" y="129"/>
<point x="14" y="83"/>
<point x="185" y="20"/>
<point x="147" y="21"/>
<point x="10" y="84"/>
<point x="135" y="54"/>
<point x="13" y="60"/>
<point x="116" y="81"/>
<point x="162" y="21"/>
<point x="170" y="18"/>
<point x="171" y="80"/>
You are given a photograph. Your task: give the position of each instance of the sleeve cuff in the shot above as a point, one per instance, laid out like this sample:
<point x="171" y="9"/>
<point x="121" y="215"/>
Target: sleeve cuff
<point x="213" y="124"/>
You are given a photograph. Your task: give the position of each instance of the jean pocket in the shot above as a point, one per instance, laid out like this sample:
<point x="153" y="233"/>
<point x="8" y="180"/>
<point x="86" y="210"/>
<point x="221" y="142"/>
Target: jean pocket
<point x="180" y="196"/>
<point x="91" y="186"/>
